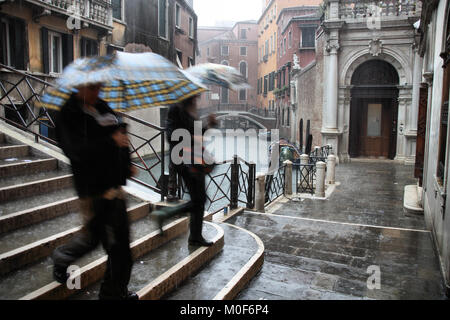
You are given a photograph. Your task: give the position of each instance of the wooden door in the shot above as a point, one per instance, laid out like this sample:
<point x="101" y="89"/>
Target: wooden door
<point x="376" y="128"/>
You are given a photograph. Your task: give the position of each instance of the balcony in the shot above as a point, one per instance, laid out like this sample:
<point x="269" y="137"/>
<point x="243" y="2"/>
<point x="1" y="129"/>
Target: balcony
<point x="351" y="9"/>
<point x="96" y="12"/>
<point x="266" y="58"/>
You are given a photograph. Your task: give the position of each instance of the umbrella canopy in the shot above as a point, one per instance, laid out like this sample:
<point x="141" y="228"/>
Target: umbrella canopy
<point x="130" y="81"/>
<point x="218" y="74"/>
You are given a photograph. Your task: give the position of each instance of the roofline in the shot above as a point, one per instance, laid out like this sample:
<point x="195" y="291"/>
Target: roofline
<point x="265" y="10"/>
<point x="297" y="8"/>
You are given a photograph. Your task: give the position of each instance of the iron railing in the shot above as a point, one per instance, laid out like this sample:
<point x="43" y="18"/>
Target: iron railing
<point x="320" y="154"/>
<point x="275" y="185"/>
<point x="305" y="177"/>
<point x="230" y="184"/>
<point x="20" y="97"/>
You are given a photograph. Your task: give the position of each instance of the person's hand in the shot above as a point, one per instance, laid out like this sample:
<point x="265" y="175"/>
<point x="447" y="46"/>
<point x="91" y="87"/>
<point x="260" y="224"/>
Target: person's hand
<point x="212" y="121"/>
<point x="121" y="139"/>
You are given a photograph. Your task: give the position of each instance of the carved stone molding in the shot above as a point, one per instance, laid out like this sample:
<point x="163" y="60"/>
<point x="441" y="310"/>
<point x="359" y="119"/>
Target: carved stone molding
<point x="375" y="47"/>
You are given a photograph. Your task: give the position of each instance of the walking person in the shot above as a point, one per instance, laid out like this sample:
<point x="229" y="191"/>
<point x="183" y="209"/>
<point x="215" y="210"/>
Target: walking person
<point x="184" y="116"/>
<point x="89" y="133"/>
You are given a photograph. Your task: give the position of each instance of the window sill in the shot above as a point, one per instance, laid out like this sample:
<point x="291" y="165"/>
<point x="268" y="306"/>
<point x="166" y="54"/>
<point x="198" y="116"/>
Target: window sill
<point x="120" y="21"/>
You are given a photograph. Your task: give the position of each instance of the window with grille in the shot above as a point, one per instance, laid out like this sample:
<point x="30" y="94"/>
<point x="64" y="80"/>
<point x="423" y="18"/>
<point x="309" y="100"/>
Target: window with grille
<point x="225" y="50"/>
<point x="243" y="34"/>
<point x="308" y="37"/>
<point x="243" y="95"/>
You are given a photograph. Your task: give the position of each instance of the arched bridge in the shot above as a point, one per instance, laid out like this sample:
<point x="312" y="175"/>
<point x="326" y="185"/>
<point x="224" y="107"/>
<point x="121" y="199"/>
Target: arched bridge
<point x="240" y="116"/>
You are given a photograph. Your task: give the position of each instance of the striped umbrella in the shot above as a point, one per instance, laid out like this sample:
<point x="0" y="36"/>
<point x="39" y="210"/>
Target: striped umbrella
<point x="130" y="81"/>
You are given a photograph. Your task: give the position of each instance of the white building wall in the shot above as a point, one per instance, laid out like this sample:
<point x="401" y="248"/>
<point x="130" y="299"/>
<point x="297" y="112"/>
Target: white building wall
<point x="434" y="193"/>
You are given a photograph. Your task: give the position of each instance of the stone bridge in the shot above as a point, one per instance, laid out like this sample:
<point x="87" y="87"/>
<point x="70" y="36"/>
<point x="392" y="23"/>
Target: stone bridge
<point x="254" y="117"/>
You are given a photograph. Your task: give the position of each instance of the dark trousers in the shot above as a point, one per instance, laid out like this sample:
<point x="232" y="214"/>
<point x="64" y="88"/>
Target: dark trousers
<point x="195" y="183"/>
<point x="106" y="221"/>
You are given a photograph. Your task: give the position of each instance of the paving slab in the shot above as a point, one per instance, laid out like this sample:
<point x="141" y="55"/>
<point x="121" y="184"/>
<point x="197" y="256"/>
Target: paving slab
<point x="320" y="260"/>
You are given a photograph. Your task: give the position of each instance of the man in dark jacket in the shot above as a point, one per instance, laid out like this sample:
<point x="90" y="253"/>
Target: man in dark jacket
<point x="183" y="116"/>
<point x="90" y="135"/>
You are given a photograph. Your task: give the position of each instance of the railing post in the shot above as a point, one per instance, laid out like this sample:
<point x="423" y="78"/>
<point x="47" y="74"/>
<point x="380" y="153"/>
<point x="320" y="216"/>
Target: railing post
<point x="320" y="183"/>
<point x="163" y="163"/>
<point x="331" y="170"/>
<point x="251" y="186"/>
<point x="260" y="197"/>
<point x="288" y="178"/>
<point x="304" y="160"/>
<point x="234" y="183"/>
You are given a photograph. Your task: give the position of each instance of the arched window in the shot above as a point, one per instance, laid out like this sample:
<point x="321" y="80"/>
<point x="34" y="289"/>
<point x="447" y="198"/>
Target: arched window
<point x="225" y="63"/>
<point x="243" y="68"/>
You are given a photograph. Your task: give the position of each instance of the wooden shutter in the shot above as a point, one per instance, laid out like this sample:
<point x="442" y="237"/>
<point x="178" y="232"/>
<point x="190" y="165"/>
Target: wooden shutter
<point x="19" y="44"/>
<point x="67" y="42"/>
<point x="45" y="50"/>
<point x="83" y="47"/>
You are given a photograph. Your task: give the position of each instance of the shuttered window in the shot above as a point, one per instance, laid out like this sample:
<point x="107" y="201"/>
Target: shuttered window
<point x="88" y="47"/>
<point x="57" y="50"/>
<point x="13" y="43"/>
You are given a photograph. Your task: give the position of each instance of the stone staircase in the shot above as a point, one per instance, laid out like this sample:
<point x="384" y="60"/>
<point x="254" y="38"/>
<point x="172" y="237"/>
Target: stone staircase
<point x="39" y="212"/>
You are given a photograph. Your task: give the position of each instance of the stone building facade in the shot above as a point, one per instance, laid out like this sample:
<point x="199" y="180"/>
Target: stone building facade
<point x="268" y="38"/>
<point x="297" y="34"/>
<point x="432" y="167"/>
<point x="236" y="47"/>
<point x="370" y="105"/>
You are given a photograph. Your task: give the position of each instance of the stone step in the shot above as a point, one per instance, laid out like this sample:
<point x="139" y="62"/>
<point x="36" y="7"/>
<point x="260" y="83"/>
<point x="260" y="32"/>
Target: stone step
<point x="33" y="188"/>
<point x="224" y="277"/>
<point x="157" y="273"/>
<point x="14" y="221"/>
<point x="23" y="247"/>
<point x="22" y="179"/>
<point x="93" y="265"/>
<point x="32" y="166"/>
<point x="35" y="201"/>
<point x="13" y="151"/>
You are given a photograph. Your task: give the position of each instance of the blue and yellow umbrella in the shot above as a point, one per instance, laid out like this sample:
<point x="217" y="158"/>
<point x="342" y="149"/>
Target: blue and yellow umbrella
<point x="130" y="81"/>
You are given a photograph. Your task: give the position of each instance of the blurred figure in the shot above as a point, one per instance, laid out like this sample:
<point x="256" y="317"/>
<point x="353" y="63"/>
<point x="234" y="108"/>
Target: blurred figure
<point x="97" y="144"/>
<point x="183" y="116"/>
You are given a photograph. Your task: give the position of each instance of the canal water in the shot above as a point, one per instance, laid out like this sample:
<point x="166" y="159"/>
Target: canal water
<point x="251" y="146"/>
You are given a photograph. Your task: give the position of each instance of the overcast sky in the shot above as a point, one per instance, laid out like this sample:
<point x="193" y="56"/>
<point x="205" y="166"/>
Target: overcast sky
<point x="210" y="11"/>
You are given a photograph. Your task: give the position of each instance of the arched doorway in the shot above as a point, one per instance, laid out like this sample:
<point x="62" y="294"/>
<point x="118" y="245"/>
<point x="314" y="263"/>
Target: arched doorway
<point x="374" y="110"/>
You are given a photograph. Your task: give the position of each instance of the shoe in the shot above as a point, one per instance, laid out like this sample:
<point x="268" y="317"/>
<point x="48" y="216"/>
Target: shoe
<point x="172" y="198"/>
<point x="160" y="217"/>
<point x="132" y="296"/>
<point x="60" y="274"/>
<point x="200" y="243"/>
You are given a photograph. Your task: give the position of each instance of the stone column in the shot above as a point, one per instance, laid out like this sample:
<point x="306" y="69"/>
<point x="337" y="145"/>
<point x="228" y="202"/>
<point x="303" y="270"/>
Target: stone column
<point x="260" y="193"/>
<point x="331" y="114"/>
<point x="417" y="80"/>
<point x="320" y="181"/>
<point x="331" y="170"/>
<point x="288" y="178"/>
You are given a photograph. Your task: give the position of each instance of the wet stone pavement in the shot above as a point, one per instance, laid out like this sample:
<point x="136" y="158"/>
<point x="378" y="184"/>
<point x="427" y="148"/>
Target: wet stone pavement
<point x="323" y="249"/>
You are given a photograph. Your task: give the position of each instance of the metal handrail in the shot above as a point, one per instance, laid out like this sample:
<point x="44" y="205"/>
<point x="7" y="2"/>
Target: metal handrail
<point x="10" y="90"/>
